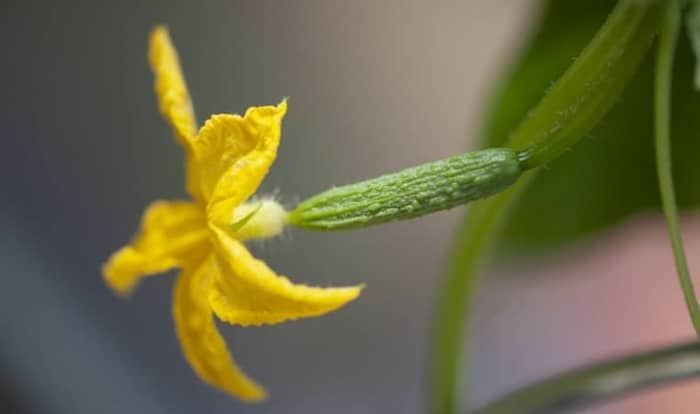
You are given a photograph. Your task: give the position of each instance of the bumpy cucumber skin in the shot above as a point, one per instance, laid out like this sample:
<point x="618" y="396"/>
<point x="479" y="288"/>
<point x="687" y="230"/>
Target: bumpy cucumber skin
<point x="410" y="193"/>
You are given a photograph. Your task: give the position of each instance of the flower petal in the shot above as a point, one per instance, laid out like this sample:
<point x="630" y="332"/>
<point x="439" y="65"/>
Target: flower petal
<point x="173" y="233"/>
<point x="171" y="89"/>
<point x="246" y="292"/>
<point x="201" y="342"/>
<point x="174" y="99"/>
<point x="234" y="154"/>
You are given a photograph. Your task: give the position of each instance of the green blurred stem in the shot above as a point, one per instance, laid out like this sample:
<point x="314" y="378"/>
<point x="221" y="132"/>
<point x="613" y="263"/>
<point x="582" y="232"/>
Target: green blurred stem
<point x="584" y="387"/>
<point x="574" y="105"/>
<point x="475" y="236"/>
<point x="668" y="38"/>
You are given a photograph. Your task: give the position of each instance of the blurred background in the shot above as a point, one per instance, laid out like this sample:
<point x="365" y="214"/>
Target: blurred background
<point x="374" y="87"/>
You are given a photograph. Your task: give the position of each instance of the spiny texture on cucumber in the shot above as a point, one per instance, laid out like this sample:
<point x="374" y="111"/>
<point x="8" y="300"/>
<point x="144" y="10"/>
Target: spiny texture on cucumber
<point x="410" y="193"/>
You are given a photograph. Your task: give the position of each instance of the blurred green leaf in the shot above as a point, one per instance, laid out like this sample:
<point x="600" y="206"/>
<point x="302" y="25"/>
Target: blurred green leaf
<point x="610" y="174"/>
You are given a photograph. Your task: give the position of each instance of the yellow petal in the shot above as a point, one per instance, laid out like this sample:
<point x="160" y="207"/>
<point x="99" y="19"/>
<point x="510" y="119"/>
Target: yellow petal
<point x="201" y="343"/>
<point x="192" y="177"/>
<point x="172" y="234"/>
<point x="247" y="292"/>
<point x="234" y="154"/>
<point x="171" y="89"/>
<point x="174" y="99"/>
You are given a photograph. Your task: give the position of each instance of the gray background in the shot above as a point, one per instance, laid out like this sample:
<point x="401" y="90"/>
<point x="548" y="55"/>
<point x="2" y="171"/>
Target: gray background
<point x="374" y="87"/>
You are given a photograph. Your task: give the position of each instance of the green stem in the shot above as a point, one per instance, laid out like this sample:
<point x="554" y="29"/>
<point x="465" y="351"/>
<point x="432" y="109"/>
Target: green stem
<point x="476" y="235"/>
<point x="668" y="38"/>
<point x="591" y="85"/>
<point x="579" y="99"/>
<point x="584" y="387"/>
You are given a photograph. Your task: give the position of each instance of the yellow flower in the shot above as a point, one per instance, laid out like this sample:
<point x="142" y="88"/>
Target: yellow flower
<point x="226" y="160"/>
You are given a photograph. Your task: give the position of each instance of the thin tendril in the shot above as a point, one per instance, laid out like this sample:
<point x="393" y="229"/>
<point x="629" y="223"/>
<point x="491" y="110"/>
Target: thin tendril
<point x="662" y="130"/>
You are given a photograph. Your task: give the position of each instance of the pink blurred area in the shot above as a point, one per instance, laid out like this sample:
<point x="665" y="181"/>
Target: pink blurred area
<point x="603" y="299"/>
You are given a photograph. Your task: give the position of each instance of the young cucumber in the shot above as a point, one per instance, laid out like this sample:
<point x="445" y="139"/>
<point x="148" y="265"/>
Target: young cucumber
<point x="410" y="193"/>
